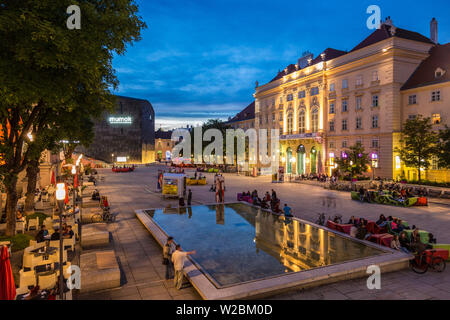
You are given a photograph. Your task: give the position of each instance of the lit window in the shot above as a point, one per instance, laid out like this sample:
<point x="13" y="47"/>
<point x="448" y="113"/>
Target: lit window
<point x="301" y="121"/>
<point x="358" y="103"/>
<point x="412" y="99"/>
<point x="398" y="164"/>
<point x="436" y="118"/>
<point x="331" y="107"/>
<point x="358" y="123"/>
<point x="375" y="101"/>
<point x="375" y="121"/>
<point x="436" y="96"/>
<point x="289" y="123"/>
<point x="344" y="105"/>
<point x="344" y="84"/>
<point x="434" y="163"/>
<point x="344" y="124"/>
<point x="315" y="120"/>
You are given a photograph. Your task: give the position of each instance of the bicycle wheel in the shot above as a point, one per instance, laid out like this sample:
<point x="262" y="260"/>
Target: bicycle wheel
<point x="438" y="264"/>
<point x="418" y="268"/>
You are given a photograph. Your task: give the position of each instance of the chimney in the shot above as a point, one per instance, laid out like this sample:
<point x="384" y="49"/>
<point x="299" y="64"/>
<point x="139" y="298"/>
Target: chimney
<point x="433" y="31"/>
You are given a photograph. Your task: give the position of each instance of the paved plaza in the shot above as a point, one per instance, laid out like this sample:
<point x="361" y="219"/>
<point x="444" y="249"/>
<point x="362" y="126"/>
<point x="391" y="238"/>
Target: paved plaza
<point x="140" y="256"/>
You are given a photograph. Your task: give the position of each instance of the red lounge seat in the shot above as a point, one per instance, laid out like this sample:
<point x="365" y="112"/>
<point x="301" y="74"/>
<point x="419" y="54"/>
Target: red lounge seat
<point x="344" y="228"/>
<point x="239" y="197"/>
<point x="383" y="239"/>
<point x="331" y="225"/>
<point x="422" y="201"/>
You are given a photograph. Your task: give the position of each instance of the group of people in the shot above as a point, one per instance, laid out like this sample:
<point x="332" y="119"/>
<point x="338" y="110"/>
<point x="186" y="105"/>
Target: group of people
<point x="314" y="176"/>
<point x="174" y="258"/>
<point x="400" y="240"/>
<point x="42" y="235"/>
<point x="268" y="201"/>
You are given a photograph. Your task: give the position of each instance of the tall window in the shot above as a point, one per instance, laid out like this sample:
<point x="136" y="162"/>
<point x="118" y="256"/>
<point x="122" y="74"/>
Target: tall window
<point x="344" y="124"/>
<point x="358" y="103"/>
<point x="332" y="87"/>
<point x="332" y="108"/>
<point x="375" y="121"/>
<point x="374" y="143"/>
<point x="436" y="95"/>
<point x="344" y="105"/>
<point x="315" y="120"/>
<point x="434" y="163"/>
<point x="358" y="123"/>
<point x="331" y="144"/>
<point x="436" y="118"/>
<point x="344" y="143"/>
<point x="301" y="121"/>
<point x="359" y="80"/>
<point x="374" y="75"/>
<point x="375" y="100"/>
<point x="331" y="125"/>
<point x="412" y="99"/>
<point x="289" y="123"/>
<point x="344" y="84"/>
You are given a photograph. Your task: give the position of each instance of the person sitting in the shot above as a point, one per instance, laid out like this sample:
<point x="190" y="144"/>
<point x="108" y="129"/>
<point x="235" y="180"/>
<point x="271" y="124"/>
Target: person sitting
<point x="20" y="217"/>
<point x="40" y="237"/>
<point x="431" y="238"/>
<point x="381" y="222"/>
<point x="55" y="235"/>
<point x="400" y="227"/>
<point x="264" y="204"/>
<point x="276" y="206"/>
<point x="404" y="242"/>
<point x="287" y="210"/>
<point x="416" y="243"/>
<point x="68" y="233"/>
<point x="267" y="196"/>
<point x="361" y="232"/>
<point x="352" y="221"/>
<point x="96" y="195"/>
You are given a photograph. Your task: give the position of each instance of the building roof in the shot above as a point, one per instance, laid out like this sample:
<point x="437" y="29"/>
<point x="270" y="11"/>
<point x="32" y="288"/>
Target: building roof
<point x="160" y="134"/>
<point x="247" y="114"/>
<point x="425" y="74"/>
<point x="378" y="35"/>
<point x="385" y="32"/>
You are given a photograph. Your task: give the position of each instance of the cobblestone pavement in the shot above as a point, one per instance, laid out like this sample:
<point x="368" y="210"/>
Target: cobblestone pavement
<point x="140" y="256"/>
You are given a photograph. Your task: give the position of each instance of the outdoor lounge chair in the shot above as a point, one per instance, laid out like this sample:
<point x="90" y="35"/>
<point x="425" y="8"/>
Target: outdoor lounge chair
<point x="47" y="281"/>
<point x="33" y="223"/>
<point x="27" y="278"/>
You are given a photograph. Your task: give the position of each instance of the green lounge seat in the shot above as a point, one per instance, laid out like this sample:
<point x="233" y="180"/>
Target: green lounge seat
<point x="355" y="195"/>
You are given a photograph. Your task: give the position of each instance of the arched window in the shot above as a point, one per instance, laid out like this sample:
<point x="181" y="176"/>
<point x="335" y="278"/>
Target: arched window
<point x="315" y="120"/>
<point x="301" y="121"/>
<point x="289" y="123"/>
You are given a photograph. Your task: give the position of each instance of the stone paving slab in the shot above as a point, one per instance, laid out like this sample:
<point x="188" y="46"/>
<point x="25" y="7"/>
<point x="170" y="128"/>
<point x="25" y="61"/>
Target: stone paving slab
<point x="130" y="191"/>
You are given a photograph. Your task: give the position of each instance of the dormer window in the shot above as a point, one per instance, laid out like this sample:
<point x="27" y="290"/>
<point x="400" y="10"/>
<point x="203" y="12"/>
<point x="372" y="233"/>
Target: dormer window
<point x="439" y="73"/>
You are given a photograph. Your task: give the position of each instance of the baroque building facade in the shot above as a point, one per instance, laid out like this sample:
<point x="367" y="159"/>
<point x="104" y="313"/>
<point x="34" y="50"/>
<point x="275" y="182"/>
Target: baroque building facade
<point x="323" y="105"/>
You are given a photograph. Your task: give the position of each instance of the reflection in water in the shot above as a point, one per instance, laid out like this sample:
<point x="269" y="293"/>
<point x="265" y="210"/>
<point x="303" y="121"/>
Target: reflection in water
<point x="237" y="243"/>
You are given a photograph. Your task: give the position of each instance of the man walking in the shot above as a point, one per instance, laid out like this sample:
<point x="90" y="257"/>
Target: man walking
<point x="178" y="259"/>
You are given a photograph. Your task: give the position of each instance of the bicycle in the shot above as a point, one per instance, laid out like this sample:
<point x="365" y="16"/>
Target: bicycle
<point x="423" y="261"/>
<point x="105" y="216"/>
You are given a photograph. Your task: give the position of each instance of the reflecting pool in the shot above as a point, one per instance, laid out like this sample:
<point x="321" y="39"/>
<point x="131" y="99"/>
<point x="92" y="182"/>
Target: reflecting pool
<point x="238" y="243"/>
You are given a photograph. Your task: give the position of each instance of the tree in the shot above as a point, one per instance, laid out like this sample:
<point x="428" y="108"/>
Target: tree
<point x="356" y="162"/>
<point x="418" y="143"/>
<point x="47" y="71"/>
<point x="443" y="151"/>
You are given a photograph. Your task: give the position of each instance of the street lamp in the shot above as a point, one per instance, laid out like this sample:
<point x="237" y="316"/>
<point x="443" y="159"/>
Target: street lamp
<point x="60" y="196"/>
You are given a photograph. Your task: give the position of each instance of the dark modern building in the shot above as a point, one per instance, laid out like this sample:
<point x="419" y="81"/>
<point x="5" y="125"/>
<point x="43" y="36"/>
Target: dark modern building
<point x="126" y="135"/>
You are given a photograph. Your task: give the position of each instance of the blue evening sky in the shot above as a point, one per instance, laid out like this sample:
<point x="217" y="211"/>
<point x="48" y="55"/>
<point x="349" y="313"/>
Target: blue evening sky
<point x="199" y="59"/>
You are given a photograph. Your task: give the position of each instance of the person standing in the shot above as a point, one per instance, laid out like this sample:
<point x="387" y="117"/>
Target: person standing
<point x="189" y="199"/>
<point x="168" y="250"/>
<point x="178" y="259"/>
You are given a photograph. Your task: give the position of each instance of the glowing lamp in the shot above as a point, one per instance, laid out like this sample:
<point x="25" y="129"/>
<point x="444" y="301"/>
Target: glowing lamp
<point x="60" y="191"/>
<point x="293" y="160"/>
<point x="74" y="170"/>
<point x="283" y="159"/>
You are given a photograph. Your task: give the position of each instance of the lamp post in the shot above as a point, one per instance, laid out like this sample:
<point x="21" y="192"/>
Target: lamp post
<point x="60" y="196"/>
<point x="74" y="173"/>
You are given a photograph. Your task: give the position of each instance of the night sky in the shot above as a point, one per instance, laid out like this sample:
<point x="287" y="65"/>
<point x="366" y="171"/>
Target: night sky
<point x="200" y="59"/>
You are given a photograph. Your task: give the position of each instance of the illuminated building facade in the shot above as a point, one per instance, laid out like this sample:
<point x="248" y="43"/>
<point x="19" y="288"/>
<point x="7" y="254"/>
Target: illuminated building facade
<point x="125" y="135"/>
<point x="326" y="104"/>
